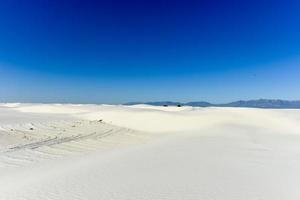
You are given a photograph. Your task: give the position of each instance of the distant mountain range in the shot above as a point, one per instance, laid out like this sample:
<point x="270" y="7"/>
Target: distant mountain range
<point x="260" y="103"/>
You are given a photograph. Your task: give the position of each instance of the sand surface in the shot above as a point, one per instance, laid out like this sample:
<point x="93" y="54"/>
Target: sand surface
<point x="55" y="151"/>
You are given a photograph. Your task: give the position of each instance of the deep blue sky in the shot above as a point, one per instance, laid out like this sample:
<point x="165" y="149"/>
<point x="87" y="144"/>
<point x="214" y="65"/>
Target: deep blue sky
<point x="119" y="51"/>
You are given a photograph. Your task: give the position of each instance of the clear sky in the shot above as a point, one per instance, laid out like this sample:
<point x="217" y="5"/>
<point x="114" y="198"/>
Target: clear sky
<point x="147" y="50"/>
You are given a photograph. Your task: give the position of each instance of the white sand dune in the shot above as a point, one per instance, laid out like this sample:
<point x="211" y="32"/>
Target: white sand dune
<point x="55" y="151"/>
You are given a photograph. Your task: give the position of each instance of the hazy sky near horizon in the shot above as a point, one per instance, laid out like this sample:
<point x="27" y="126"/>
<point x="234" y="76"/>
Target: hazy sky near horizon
<point x="147" y="50"/>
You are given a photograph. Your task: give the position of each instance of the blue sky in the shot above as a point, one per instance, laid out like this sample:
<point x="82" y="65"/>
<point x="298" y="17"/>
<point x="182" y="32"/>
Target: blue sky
<point x="118" y="51"/>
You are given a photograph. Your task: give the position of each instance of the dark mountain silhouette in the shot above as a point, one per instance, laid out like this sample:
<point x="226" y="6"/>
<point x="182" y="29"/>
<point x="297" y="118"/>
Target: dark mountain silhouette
<point x="259" y="103"/>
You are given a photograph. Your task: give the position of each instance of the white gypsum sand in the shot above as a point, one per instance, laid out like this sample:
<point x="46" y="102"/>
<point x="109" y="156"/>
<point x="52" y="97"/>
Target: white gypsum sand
<point x="55" y="151"/>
